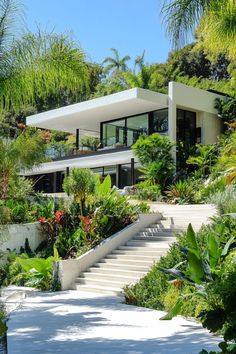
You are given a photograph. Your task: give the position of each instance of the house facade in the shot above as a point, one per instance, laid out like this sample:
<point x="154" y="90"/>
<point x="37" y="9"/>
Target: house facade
<point x="185" y="113"/>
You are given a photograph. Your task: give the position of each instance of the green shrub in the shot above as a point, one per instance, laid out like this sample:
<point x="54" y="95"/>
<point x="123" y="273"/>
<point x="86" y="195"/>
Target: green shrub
<point x="208" y="187"/>
<point x="68" y="244"/>
<point x="147" y="191"/>
<point x="80" y="183"/>
<point x="182" y="191"/>
<point x="225" y="200"/>
<point x="150" y="290"/>
<point x="154" y="154"/>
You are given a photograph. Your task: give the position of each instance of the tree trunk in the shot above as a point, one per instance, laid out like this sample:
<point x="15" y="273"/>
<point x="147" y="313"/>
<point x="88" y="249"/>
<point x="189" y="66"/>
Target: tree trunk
<point x="3" y="344"/>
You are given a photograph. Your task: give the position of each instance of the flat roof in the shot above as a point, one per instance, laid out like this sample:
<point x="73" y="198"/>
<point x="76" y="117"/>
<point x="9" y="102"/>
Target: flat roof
<point x="110" y="158"/>
<point x="87" y="115"/>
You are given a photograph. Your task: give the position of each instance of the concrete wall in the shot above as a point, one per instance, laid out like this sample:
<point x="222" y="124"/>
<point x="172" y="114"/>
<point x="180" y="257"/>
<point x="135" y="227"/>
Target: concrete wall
<point x="211" y="127"/>
<point x="13" y="236"/>
<point x="200" y="101"/>
<point x="66" y="271"/>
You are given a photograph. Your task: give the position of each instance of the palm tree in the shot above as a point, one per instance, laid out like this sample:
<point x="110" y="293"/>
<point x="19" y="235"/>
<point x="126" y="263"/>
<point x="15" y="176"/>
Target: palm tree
<point x="116" y="65"/>
<point x="40" y="65"/>
<point x="80" y="183"/>
<point x="36" y="66"/>
<point x="139" y="61"/>
<point x="215" y="21"/>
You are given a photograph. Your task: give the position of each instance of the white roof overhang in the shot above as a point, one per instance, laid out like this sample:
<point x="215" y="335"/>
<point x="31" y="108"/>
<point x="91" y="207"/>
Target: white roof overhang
<point x="95" y="160"/>
<point x="88" y="115"/>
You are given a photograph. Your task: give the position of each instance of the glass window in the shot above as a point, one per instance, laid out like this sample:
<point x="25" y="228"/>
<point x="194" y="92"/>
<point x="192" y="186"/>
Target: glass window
<point x="186" y="126"/>
<point x="114" y="133"/>
<point x="136" y="126"/>
<point x="159" y="122"/>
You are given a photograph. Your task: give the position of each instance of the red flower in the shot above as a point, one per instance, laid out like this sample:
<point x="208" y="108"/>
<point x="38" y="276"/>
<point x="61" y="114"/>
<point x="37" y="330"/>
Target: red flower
<point x="42" y="219"/>
<point x="86" y="223"/>
<point x="58" y="215"/>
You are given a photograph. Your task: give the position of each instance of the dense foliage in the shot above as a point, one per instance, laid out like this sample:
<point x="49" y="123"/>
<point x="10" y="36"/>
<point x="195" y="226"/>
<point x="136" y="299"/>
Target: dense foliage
<point x="154" y="155"/>
<point x="95" y="212"/>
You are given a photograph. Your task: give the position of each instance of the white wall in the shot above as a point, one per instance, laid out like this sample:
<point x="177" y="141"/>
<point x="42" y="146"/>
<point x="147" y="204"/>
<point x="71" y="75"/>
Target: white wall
<point x="13" y="236"/>
<point x="211" y="127"/>
<point x="200" y="101"/>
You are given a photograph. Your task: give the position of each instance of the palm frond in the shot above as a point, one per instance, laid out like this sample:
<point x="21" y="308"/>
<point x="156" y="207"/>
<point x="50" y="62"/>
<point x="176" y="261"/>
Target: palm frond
<point x="41" y="64"/>
<point x="181" y="17"/>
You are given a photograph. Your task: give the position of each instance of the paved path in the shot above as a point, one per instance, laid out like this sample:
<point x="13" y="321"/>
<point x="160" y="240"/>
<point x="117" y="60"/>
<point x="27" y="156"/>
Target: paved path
<point x="76" y="322"/>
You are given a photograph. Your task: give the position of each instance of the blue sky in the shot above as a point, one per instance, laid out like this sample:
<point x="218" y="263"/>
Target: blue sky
<point x="98" y="25"/>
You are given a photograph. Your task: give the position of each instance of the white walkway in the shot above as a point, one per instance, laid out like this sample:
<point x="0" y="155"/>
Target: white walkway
<point x="76" y="322"/>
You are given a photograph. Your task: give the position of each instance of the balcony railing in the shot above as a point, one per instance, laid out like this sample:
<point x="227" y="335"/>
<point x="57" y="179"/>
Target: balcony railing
<point x="58" y="154"/>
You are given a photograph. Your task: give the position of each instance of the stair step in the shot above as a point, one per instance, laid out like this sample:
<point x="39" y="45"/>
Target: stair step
<point x="149" y="244"/>
<point x="154" y="238"/>
<point x="108" y="276"/>
<point x="116" y="271"/>
<point x="99" y="289"/>
<point x="141" y="248"/>
<point x="160" y="229"/>
<point x="137" y="251"/>
<point x="128" y="261"/>
<point x="181" y="226"/>
<point x="136" y="267"/>
<point x="104" y="282"/>
<point x="133" y="257"/>
<point x="159" y="234"/>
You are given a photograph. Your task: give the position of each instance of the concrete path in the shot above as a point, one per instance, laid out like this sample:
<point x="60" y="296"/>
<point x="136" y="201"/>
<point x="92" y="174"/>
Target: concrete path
<point x="76" y="322"/>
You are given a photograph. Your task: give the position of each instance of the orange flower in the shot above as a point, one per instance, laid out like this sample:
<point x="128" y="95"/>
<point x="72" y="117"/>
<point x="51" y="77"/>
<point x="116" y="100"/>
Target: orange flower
<point x="58" y="215"/>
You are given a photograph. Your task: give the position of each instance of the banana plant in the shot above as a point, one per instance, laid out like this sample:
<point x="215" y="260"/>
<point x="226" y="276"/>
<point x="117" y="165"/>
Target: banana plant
<point x="202" y="266"/>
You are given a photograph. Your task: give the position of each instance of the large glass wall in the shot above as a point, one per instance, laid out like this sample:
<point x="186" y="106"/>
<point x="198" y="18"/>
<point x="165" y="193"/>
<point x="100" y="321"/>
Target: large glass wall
<point x="125" y="131"/>
<point x="136" y="126"/>
<point x="114" y="133"/>
<point x="159" y="121"/>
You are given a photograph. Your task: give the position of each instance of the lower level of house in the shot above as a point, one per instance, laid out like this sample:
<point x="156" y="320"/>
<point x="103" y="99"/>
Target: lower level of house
<point x="120" y="165"/>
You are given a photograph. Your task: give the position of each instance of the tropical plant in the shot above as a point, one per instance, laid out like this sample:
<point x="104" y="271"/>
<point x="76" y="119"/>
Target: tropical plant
<point x="69" y="243"/>
<point x="225" y="200"/>
<point x="145" y="190"/>
<point x="80" y="183"/>
<point x="226" y="108"/>
<point x="103" y="188"/>
<point x="226" y="161"/>
<point x="154" y="154"/>
<point x="91" y="142"/>
<point x="141" y="79"/>
<point x="115" y="65"/>
<point x="203" y="159"/>
<point x="15" y="157"/>
<point x="183" y="191"/>
<point x="41" y="66"/>
<point x="204" y="272"/>
<point x="215" y="22"/>
<point x="38" y="271"/>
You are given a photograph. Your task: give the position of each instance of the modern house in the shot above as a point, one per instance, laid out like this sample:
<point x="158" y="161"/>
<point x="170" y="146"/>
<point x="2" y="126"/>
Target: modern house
<point x="185" y="113"/>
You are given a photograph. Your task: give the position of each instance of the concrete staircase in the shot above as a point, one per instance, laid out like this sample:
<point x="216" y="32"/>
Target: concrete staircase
<point x="127" y="264"/>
